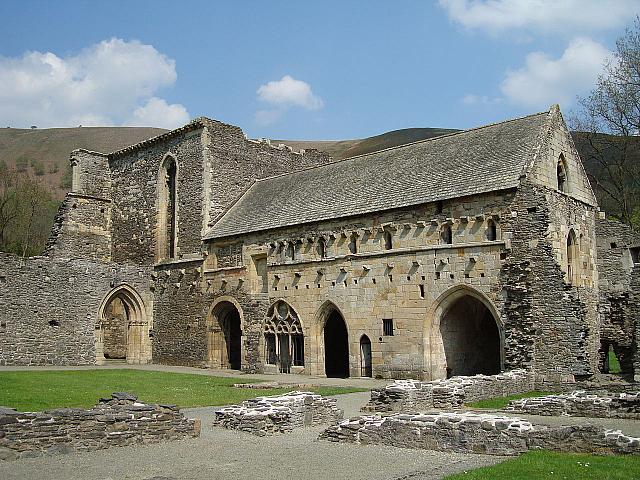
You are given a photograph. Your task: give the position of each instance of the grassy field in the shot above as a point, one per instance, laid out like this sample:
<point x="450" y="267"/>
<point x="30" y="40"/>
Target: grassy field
<point x="501" y="402"/>
<point x="39" y="390"/>
<point x="558" y="466"/>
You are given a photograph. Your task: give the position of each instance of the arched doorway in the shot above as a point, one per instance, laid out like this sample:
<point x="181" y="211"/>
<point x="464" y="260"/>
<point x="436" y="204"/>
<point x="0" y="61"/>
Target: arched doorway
<point x="573" y="259"/>
<point x="366" y="369"/>
<point x="470" y="338"/>
<point x="336" y="346"/>
<point x="224" y="333"/>
<point x="122" y="332"/>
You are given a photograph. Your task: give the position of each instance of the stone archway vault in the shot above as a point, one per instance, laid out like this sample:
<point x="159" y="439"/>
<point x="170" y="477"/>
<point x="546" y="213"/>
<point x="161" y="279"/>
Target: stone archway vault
<point x="463" y="335"/>
<point x="135" y="337"/>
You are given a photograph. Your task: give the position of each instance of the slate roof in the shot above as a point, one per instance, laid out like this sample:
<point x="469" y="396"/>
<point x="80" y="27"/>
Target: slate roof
<point x="479" y="160"/>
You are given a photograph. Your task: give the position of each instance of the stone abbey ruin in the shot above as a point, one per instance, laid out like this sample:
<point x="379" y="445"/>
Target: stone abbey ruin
<point x="481" y="251"/>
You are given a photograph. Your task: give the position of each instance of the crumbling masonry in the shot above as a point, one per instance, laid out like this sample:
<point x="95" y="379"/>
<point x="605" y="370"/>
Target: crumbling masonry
<point x="475" y="252"/>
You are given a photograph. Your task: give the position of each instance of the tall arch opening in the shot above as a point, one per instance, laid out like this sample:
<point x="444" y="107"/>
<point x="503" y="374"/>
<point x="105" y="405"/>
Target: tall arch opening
<point x="122" y="331"/>
<point x="224" y="333"/>
<point x="283" y="338"/>
<point x="366" y="369"/>
<point x="336" y="346"/>
<point x="561" y="175"/>
<point x="167" y="228"/>
<point x="573" y="259"/>
<point x="470" y="335"/>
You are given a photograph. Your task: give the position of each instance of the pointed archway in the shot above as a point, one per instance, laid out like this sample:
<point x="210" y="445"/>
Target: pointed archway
<point x="224" y="336"/>
<point x="366" y="369"/>
<point x="465" y="335"/>
<point x="122" y="331"/>
<point x="336" y="345"/>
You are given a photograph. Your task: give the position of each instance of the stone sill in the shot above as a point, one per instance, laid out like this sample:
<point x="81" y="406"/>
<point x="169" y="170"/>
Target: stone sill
<point x="178" y="261"/>
<point x="226" y="269"/>
<point x="395" y="251"/>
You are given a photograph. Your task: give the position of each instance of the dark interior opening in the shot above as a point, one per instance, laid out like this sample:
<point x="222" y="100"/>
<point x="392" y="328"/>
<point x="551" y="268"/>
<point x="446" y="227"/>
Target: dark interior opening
<point x="336" y="347"/>
<point x="233" y="337"/>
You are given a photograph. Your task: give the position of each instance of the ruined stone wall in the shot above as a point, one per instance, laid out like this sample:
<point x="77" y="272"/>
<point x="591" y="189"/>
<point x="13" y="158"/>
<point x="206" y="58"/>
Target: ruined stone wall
<point x="615" y="264"/>
<point x="135" y="175"/>
<point x="404" y="283"/>
<point x="119" y="421"/>
<point x="81" y="229"/>
<point x="91" y="174"/>
<point x="49" y="307"/>
<point x="488" y="434"/>
<point x="234" y="163"/>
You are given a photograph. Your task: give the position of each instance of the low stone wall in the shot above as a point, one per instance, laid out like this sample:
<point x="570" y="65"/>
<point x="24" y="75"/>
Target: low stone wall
<point x="414" y="395"/>
<point x="118" y="421"/>
<point x="279" y="414"/>
<point x="581" y="404"/>
<point x="478" y="433"/>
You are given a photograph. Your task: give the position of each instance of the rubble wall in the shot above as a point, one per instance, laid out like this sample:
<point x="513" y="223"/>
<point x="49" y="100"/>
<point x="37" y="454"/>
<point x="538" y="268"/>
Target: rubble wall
<point x="119" y="421"/>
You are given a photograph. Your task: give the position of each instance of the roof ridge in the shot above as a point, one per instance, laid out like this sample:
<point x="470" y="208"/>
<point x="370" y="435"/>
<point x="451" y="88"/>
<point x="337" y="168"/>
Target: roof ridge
<point x="460" y="132"/>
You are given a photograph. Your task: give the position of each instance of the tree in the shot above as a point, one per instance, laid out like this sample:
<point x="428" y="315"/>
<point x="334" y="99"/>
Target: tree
<point x="608" y="124"/>
<point x="26" y="213"/>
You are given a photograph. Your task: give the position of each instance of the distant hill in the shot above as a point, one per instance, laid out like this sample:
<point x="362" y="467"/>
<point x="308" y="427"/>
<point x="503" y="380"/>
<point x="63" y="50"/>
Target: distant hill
<point x="45" y="152"/>
<point x="350" y="148"/>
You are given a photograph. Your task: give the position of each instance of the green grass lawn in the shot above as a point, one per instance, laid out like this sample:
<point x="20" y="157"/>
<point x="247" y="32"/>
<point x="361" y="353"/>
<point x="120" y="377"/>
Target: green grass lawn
<point x="501" y="402"/>
<point x="558" y="466"/>
<point x="43" y="389"/>
<point x="614" y="364"/>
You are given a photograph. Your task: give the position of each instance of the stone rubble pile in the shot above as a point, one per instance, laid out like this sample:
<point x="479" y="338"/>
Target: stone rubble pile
<point x="581" y="404"/>
<point x="414" y="395"/>
<point x="117" y="421"/>
<point x="477" y="433"/>
<point x="279" y="414"/>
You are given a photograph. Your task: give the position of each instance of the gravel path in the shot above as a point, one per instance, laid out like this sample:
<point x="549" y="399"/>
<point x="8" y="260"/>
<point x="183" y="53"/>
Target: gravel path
<point x="220" y="453"/>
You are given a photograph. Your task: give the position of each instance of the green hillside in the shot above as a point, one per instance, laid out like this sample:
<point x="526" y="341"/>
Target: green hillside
<point x="45" y="152"/>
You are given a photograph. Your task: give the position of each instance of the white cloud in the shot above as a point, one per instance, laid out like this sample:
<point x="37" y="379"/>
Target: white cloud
<point x="158" y="113"/>
<point x="545" y="80"/>
<point x="541" y="15"/>
<point x="472" y="99"/>
<point x="289" y="92"/>
<point x="110" y="83"/>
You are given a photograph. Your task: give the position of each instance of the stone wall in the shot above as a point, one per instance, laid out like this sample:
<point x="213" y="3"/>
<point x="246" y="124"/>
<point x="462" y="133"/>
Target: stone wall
<point x="580" y="404"/>
<point x="487" y="434"/>
<point x="279" y="414"/>
<point x="119" y="421"/>
<point x="615" y="265"/>
<point x="413" y="395"/>
<point x="49" y="307"/>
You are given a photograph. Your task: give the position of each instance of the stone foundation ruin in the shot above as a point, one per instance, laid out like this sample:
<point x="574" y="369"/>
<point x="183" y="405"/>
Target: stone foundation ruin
<point x="118" y="421"/>
<point x="279" y="414"/>
<point x="487" y="434"/>
<point x="581" y="404"/>
<point x="414" y="395"/>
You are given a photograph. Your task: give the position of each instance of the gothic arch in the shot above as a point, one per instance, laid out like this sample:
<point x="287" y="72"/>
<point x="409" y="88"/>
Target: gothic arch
<point x="333" y="339"/>
<point x="133" y="324"/>
<point x="167" y="208"/>
<point x="435" y="354"/>
<point x="282" y="338"/>
<point x="225" y="327"/>
<point x="562" y="174"/>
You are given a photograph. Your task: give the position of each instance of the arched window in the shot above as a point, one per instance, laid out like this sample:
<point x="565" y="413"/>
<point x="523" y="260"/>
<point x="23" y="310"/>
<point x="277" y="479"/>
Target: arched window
<point x="446" y="235"/>
<point x="167" y="210"/>
<point x="291" y="250"/>
<point x="573" y="259"/>
<point x="388" y="240"/>
<point x="492" y="232"/>
<point x="353" y="243"/>
<point x="283" y="337"/>
<point x="561" y="174"/>
<point x="322" y="248"/>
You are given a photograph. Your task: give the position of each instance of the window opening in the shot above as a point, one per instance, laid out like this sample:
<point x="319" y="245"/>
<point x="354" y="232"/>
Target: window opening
<point x="491" y="233"/>
<point x="446" y="234"/>
<point x="388" y="240"/>
<point x="561" y="173"/>
<point x="284" y="340"/>
<point x="322" y="248"/>
<point x="353" y="243"/>
<point x="387" y="327"/>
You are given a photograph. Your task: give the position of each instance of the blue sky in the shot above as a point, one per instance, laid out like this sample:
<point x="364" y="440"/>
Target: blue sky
<point x="300" y="69"/>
